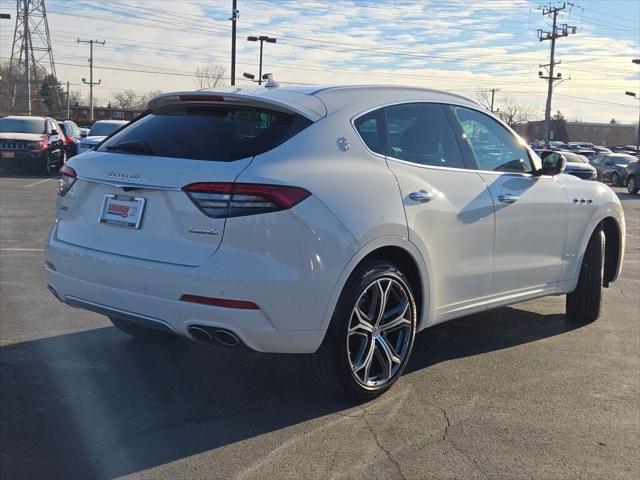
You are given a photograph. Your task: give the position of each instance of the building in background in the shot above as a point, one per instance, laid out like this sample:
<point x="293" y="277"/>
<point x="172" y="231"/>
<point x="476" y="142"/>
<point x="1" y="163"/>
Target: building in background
<point x="81" y="114"/>
<point x="606" y="134"/>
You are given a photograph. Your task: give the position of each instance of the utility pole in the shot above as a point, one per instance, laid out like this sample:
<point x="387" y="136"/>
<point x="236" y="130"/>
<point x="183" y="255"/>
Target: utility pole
<point x="68" y="115"/>
<point x="91" y="83"/>
<point x="235" y="14"/>
<point x="556" y="32"/>
<point x="493" y="94"/>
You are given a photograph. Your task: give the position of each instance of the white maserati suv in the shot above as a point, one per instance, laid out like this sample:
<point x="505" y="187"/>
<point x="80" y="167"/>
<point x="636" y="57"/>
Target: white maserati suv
<point x="334" y="222"/>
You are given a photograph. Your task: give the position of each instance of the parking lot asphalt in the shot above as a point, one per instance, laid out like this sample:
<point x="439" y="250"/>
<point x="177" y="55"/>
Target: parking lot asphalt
<point x="513" y="393"/>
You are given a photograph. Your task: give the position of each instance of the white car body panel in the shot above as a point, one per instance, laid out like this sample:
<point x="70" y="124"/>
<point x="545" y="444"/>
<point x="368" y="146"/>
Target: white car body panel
<point x="293" y="264"/>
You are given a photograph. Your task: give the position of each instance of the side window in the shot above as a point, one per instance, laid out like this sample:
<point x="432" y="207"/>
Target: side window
<point x="370" y="130"/>
<point x="493" y="146"/>
<point x="420" y="133"/>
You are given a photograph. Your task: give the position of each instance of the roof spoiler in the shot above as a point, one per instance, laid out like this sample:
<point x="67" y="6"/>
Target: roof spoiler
<point x="283" y="103"/>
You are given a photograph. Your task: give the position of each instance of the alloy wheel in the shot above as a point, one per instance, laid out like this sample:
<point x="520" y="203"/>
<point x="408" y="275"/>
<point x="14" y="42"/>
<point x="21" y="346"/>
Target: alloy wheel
<point x="380" y="332"/>
<point x="615" y="180"/>
<point x="631" y="185"/>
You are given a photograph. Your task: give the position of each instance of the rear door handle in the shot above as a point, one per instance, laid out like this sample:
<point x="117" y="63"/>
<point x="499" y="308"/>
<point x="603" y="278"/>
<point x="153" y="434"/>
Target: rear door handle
<point x="508" y="198"/>
<point x="421" y="196"/>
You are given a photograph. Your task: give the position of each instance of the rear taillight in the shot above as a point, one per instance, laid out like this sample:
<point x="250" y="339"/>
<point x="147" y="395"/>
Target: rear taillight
<point x="67" y="179"/>
<point x="40" y="146"/>
<point x="68" y="140"/>
<point x="222" y="200"/>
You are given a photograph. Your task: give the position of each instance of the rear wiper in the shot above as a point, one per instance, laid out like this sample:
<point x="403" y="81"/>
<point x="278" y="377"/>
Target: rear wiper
<point x="134" y="146"/>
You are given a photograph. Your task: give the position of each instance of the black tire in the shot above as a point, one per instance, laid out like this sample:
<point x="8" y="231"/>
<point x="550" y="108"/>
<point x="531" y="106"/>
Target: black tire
<point x="632" y="185"/>
<point x="331" y="365"/>
<point x="583" y="305"/>
<point x="615" y="179"/>
<point x="138" y="331"/>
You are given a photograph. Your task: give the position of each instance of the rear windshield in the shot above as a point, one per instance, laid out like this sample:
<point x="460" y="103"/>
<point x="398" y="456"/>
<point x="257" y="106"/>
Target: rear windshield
<point x="214" y="132"/>
<point x="21" y="125"/>
<point x="103" y="129"/>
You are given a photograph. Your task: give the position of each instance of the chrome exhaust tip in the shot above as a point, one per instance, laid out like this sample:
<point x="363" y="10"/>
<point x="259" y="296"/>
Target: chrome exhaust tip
<point x="225" y="337"/>
<point x="200" y="334"/>
<point x="205" y="334"/>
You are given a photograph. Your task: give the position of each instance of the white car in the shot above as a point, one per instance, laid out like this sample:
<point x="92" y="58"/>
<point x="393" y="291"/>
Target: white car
<point x="98" y="132"/>
<point x="335" y="222"/>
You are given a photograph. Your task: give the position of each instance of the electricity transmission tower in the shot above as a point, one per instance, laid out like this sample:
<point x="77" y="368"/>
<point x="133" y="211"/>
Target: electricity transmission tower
<point x="557" y="31"/>
<point x="31" y="53"/>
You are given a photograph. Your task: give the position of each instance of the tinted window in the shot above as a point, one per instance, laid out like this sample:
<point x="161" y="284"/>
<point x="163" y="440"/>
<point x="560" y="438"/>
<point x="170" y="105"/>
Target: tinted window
<point x="216" y="133"/>
<point x="370" y="129"/>
<point x="21" y="125"/>
<point x="420" y="133"/>
<point x="493" y="146"/>
<point x="103" y="129"/>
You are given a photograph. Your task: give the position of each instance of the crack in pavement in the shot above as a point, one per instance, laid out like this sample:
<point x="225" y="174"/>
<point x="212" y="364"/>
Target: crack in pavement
<point x="445" y="438"/>
<point x="386" y="451"/>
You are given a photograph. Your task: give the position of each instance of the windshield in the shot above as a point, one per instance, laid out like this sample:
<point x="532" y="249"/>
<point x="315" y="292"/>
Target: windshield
<point x="622" y="159"/>
<point x="21" y="125"/>
<point x="214" y="133"/>
<point x="103" y="129"/>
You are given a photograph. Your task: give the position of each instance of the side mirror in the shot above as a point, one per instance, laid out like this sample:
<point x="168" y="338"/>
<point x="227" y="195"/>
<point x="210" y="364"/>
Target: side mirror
<point x="553" y="164"/>
<point x="53" y="132"/>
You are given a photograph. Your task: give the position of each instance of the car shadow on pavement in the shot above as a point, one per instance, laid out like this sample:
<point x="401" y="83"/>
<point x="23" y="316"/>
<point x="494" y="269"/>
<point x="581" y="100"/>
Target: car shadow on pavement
<point x="98" y="404"/>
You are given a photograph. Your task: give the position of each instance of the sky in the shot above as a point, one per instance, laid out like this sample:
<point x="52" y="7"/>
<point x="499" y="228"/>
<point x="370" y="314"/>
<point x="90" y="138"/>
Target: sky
<point x="463" y="46"/>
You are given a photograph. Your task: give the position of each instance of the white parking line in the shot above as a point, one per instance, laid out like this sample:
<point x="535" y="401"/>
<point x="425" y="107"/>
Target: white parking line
<point x="21" y="249"/>
<point x="37" y="183"/>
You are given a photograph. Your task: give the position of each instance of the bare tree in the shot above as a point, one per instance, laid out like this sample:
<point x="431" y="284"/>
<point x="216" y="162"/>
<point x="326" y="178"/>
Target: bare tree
<point x="209" y="75"/>
<point x="484" y="98"/>
<point x="512" y="113"/>
<point x="129" y="99"/>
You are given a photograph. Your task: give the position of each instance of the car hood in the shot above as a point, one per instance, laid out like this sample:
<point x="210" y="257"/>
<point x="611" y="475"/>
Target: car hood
<point x="29" y="137"/>
<point x="93" y="139"/>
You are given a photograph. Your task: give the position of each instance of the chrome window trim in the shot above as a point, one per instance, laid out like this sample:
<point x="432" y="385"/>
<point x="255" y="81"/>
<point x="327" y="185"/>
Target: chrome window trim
<point x="132" y="186"/>
<point x="362" y="113"/>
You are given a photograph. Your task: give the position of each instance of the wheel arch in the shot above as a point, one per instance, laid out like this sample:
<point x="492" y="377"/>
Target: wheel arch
<point x="406" y="257"/>
<point x="613" y="249"/>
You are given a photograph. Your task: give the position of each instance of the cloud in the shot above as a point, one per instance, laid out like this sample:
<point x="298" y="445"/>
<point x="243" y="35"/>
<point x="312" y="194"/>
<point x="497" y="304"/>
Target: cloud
<point x="461" y="45"/>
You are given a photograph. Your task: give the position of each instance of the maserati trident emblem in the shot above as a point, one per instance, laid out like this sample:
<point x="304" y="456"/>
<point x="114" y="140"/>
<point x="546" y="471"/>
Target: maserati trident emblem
<point x="131" y="177"/>
<point x="204" y="231"/>
<point x="343" y="144"/>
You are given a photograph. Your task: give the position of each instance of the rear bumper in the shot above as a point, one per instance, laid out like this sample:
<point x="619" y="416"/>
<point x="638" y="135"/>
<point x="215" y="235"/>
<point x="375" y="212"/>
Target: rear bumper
<point x="251" y="326"/>
<point x="22" y="160"/>
<point x="291" y="278"/>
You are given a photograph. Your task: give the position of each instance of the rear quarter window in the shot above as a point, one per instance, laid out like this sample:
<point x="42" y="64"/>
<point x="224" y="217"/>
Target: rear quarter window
<point x="204" y="132"/>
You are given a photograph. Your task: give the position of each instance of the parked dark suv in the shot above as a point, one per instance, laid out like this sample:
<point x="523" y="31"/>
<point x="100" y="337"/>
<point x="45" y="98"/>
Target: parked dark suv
<point x="632" y="177"/>
<point x="35" y="144"/>
<point x="611" y="167"/>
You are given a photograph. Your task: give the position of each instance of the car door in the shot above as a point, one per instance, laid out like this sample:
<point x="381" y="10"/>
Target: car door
<point x="448" y="209"/>
<point x="532" y="212"/>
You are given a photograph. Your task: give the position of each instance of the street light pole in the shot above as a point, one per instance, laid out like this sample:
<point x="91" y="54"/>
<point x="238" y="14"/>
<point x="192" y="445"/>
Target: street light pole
<point x="634" y="95"/>
<point x="261" y="39"/>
